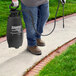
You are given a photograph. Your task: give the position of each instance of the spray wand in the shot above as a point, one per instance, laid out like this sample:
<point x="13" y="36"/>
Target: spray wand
<point x="63" y="2"/>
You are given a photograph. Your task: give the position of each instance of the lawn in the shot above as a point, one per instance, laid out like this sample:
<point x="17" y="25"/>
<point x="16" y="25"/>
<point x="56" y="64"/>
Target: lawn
<point x="63" y="65"/>
<point x="70" y="8"/>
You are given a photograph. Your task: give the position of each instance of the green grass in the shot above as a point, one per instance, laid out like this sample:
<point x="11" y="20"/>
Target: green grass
<point x="63" y="65"/>
<point x="70" y="8"/>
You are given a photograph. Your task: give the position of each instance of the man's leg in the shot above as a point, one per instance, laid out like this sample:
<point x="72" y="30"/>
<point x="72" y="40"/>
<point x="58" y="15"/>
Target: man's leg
<point x="28" y="22"/>
<point x="43" y="14"/>
<point x="31" y="34"/>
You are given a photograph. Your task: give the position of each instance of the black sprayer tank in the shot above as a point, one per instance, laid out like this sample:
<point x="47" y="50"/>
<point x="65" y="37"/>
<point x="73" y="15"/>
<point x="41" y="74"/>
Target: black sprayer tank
<point x="14" y="29"/>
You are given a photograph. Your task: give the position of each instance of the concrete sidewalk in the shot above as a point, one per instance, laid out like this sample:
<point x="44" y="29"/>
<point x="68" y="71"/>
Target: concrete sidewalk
<point x="14" y="62"/>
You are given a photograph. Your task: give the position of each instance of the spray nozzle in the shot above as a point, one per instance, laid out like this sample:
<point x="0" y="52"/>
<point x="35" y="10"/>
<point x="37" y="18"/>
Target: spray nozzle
<point x="63" y="1"/>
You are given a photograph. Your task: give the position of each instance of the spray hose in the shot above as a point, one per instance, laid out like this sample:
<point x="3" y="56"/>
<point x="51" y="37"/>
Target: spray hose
<point x="30" y="13"/>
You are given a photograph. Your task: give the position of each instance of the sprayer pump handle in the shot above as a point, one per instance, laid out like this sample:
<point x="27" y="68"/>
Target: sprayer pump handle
<point x="13" y="8"/>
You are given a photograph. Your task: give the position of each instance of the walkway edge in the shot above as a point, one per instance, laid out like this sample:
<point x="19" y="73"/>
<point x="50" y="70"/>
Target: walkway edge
<point x="39" y="65"/>
<point x="2" y="39"/>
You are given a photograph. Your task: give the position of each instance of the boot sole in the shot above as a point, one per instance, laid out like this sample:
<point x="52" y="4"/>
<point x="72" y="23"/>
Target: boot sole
<point x="41" y="45"/>
<point x="32" y="52"/>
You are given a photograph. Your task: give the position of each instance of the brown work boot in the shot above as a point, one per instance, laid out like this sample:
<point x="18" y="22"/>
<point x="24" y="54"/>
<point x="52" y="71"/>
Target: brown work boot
<point x="40" y="42"/>
<point x="34" y="50"/>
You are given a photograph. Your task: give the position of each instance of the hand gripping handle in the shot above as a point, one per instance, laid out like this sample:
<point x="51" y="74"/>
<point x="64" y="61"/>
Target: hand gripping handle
<point x="13" y="8"/>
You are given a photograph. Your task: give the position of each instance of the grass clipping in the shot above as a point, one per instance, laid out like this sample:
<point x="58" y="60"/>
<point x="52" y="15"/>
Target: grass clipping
<point x="63" y="65"/>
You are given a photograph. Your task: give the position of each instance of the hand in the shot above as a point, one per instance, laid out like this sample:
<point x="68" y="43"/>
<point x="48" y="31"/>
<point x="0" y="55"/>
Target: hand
<point x="63" y="1"/>
<point x="15" y="3"/>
